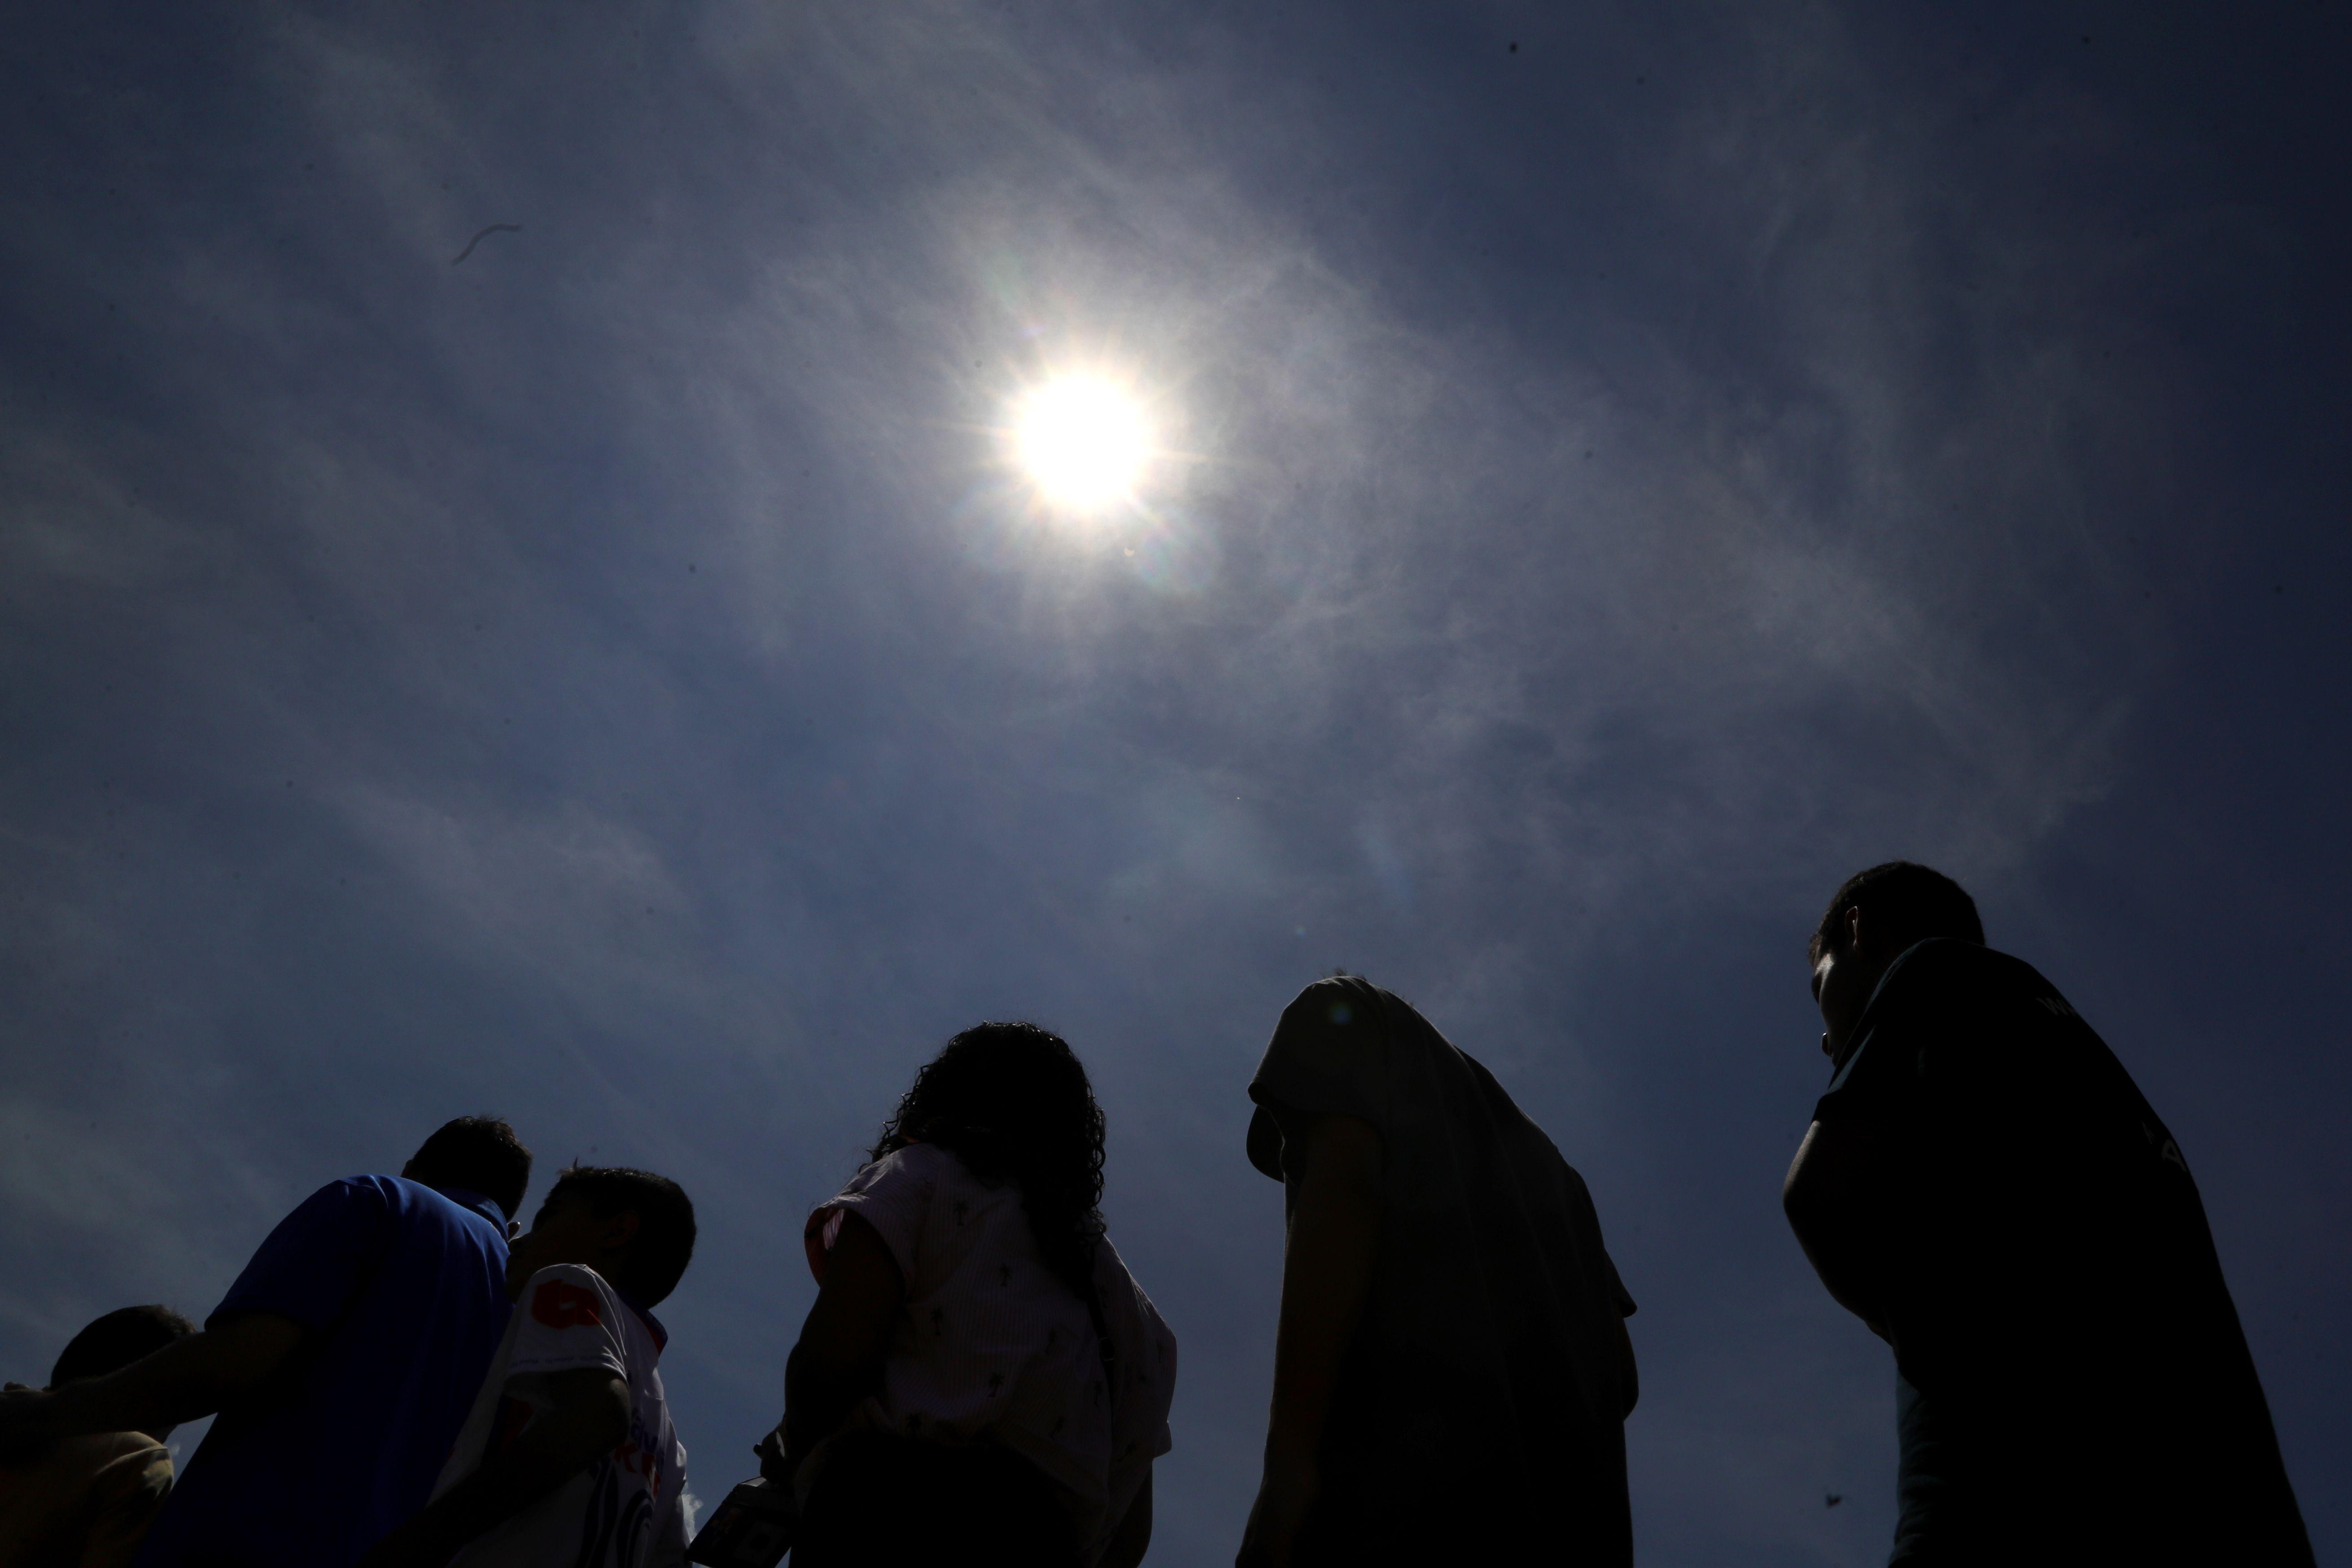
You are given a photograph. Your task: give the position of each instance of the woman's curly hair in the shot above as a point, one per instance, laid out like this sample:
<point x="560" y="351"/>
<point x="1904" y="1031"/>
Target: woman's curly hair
<point x="1013" y="1102"/>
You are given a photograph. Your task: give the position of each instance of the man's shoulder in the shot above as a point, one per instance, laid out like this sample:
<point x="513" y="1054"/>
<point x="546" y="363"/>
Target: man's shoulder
<point x="1953" y="1017"/>
<point x="347" y="1206"/>
<point x="1944" y="974"/>
<point x="395" y="1195"/>
<point x="418" y="1207"/>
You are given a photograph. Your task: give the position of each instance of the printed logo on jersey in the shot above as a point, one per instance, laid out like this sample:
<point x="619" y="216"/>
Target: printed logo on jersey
<point x="639" y="1455"/>
<point x="560" y="1304"/>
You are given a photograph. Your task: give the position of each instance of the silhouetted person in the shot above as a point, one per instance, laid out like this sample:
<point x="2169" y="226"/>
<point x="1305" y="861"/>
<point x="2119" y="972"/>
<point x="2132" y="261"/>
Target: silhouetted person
<point x="981" y="1380"/>
<point x="86" y="1501"/>
<point x="568" y="1459"/>
<point x="1452" y="1372"/>
<point x="340" y="1362"/>
<point x="1985" y="1187"/>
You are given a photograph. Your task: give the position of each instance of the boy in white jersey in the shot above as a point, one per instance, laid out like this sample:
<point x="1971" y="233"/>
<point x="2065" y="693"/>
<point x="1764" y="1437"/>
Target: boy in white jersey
<point x="568" y="1459"/>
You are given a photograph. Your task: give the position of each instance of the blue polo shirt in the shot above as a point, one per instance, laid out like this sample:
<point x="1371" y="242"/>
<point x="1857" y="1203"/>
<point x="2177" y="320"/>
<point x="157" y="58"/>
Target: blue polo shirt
<point x="404" y="1289"/>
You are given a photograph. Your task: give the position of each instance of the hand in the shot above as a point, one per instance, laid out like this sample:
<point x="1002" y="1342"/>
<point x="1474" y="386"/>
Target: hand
<point x="24" y="1421"/>
<point x="1284" y="1501"/>
<point x="774" y="1468"/>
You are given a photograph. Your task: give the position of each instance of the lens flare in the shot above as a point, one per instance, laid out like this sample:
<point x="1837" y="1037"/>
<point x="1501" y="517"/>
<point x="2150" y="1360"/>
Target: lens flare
<point x="1082" y="440"/>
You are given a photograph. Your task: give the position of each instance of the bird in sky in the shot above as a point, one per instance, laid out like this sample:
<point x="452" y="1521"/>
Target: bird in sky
<point x="494" y="228"/>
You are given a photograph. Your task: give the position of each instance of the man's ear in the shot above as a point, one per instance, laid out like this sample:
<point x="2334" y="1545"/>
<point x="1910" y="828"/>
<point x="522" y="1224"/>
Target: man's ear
<point x="514" y="1230"/>
<point x="1854" y="929"/>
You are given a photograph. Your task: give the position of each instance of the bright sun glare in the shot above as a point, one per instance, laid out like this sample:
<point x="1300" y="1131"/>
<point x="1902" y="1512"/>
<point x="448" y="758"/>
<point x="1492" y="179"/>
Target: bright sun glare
<point x="1083" y="441"/>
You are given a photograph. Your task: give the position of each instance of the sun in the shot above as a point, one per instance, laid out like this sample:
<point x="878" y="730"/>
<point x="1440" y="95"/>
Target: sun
<point x="1083" y="441"/>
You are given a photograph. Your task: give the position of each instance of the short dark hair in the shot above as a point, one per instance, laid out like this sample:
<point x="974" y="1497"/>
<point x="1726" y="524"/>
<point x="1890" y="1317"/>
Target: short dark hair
<point x="114" y="1342"/>
<point x="1905" y="903"/>
<point x="664" y="1243"/>
<point x="479" y="1154"/>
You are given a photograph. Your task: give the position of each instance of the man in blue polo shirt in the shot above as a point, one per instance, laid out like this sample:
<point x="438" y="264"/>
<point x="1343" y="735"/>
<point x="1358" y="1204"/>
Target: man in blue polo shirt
<point x="342" y="1364"/>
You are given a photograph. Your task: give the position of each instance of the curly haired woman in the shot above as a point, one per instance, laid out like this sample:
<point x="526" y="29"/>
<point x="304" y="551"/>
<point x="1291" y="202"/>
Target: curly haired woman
<point x="980" y="1379"/>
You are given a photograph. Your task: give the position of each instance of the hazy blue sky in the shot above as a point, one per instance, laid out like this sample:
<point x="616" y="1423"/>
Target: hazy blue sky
<point x="1623" y="483"/>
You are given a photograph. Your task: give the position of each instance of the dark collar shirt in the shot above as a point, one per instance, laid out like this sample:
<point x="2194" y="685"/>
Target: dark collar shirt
<point x="1480" y="1413"/>
<point x="2073" y="1383"/>
<point x="403" y="1291"/>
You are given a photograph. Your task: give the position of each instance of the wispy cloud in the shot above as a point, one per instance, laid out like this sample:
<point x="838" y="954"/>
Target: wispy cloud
<point x="614" y="680"/>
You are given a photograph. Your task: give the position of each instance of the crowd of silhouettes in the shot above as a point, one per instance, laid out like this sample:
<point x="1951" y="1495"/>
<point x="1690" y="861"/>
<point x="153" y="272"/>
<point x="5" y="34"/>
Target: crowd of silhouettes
<point x="401" y="1377"/>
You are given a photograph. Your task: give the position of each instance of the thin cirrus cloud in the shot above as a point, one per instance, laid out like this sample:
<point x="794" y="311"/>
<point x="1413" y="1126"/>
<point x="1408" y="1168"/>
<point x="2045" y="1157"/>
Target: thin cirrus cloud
<point x="618" y="682"/>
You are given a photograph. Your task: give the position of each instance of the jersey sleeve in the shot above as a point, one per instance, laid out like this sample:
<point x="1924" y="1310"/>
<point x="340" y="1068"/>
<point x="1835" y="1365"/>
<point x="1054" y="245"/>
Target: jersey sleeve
<point x="674" y="1531"/>
<point x="124" y="1499"/>
<point x="893" y="1195"/>
<point x="570" y="1319"/>
<point x="316" y="1259"/>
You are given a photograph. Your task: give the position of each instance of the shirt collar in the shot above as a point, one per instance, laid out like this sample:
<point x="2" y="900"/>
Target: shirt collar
<point x="465" y="1198"/>
<point x="652" y="1323"/>
<point x="1868" y="1019"/>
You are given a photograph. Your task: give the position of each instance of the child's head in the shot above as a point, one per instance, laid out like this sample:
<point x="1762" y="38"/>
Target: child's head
<point x="635" y="1228"/>
<point x="115" y="1340"/>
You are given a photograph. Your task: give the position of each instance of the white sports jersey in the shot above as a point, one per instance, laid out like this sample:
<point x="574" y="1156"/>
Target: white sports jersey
<point x="626" y="1509"/>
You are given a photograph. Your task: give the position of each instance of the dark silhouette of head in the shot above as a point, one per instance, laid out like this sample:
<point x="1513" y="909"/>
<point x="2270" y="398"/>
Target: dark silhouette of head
<point x="114" y="1342"/>
<point x="1901" y="903"/>
<point x="652" y="1258"/>
<point x="478" y="1153"/>
<point x="1011" y="1101"/>
<point x="1875" y="917"/>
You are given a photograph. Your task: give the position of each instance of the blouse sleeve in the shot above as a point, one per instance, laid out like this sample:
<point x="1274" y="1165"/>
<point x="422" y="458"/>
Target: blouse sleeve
<point x="893" y="1195"/>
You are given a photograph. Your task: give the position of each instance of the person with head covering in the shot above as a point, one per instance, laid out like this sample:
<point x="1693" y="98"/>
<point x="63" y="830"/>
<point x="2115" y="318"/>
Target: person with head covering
<point x="1451" y="1369"/>
<point x="981" y="1380"/>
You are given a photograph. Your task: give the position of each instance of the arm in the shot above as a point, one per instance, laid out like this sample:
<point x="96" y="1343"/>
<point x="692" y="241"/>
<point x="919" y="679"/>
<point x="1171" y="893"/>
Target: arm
<point x="838" y="1360"/>
<point x="1132" y="1539"/>
<point x="589" y="1415"/>
<point x="188" y="1378"/>
<point x="1326" y="1274"/>
<point x="1835" y="1198"/>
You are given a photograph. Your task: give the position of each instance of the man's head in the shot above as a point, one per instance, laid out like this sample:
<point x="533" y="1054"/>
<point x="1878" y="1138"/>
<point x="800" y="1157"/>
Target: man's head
<point x="476" y="1153"/>
<point x="114" y="1342"/>
<point x="635" y="1228"/>
<point x="1875" y="916"/>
